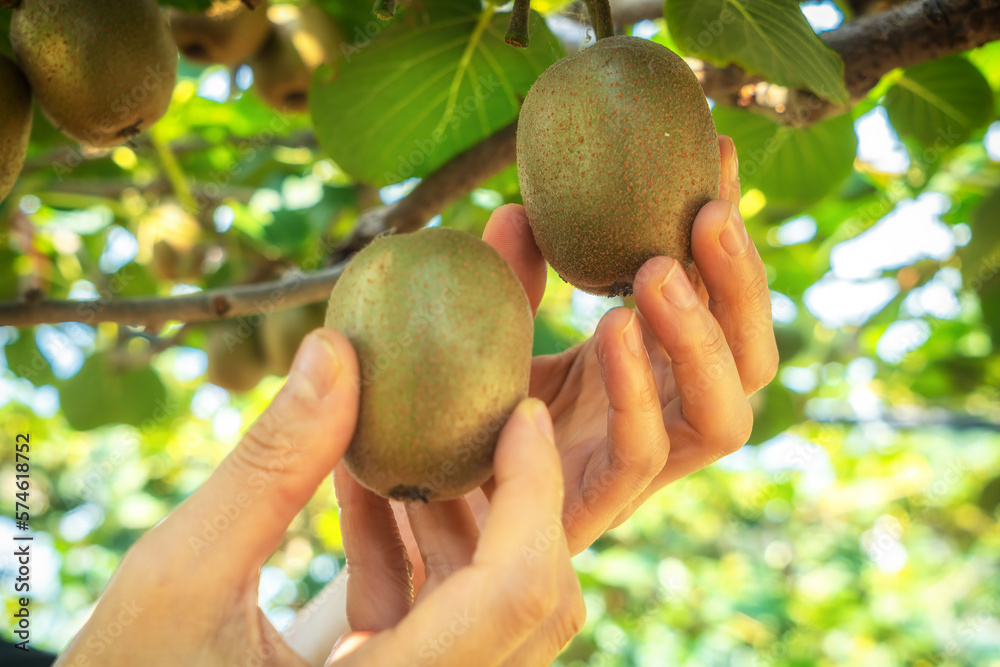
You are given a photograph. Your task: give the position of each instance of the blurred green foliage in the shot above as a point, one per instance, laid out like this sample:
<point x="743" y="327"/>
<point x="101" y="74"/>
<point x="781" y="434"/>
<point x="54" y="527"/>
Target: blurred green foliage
<point x="859" y="526"/>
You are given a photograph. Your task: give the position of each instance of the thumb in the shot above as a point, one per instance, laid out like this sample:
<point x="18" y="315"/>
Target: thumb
<point x="242" y="512"/>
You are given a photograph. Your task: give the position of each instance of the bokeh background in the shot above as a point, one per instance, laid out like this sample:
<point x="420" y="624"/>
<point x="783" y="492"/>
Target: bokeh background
<point x="858" y="526"/>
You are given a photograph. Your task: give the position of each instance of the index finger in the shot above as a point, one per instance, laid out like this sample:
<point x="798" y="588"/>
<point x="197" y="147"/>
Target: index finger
<point x="729" y="184"/>
<point x="488" y="609"/>
<point x="510" y="234"/>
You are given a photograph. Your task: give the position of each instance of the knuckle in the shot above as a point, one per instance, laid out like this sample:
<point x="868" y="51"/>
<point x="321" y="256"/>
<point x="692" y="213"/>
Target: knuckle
<point x="742" y="427"/>
<point x="648" y="397"/>
<point x="756" y="293"/>
<point x="713" y="343"/>
<point x="261" y="457"/>
<point x="770" y="368"/>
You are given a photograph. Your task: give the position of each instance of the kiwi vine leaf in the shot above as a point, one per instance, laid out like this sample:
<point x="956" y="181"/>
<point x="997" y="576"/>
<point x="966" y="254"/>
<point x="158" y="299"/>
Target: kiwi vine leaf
<point x="471" y="85"/>
<point x="941" y="101"/>
<point x="767" y="37"/>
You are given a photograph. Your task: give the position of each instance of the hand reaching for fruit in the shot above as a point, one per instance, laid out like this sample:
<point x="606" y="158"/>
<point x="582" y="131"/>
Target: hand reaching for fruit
<point x="660" y="392"/>
<point x="186" y="593"/>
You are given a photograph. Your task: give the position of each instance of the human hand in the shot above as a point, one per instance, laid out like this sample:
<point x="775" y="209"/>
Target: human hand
<point x="186" y="592"/>
<point x="506" y="597"/>
<point x="671" y="378"/>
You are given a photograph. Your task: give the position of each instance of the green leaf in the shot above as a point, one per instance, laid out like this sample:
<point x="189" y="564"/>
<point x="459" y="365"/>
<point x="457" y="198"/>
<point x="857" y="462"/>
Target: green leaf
<point x="940" y="103"/>
<point x="418" y="95"/>
<point x="981" y="257"/>
<point x="767" y="37"/>
<point x="101" y="394"/>
<point x="552" y="336"/>
<point x="792" y="166"/>
<point x="25" y="360"/>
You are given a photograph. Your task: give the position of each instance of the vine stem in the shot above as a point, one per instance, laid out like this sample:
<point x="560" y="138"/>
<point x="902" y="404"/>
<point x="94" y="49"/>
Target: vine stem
<point x="600" y="18"/>
<point x="517" y="29"/>
<point x="385" y="10"/>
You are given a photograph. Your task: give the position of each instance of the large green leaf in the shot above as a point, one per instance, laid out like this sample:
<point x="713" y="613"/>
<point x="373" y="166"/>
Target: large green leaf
<point x="791" y="166"/>
<point x="768" y="37"/>
<point x="420" y="94"/>
<point x="940" y="103"/>
<point x="102" y="394"/>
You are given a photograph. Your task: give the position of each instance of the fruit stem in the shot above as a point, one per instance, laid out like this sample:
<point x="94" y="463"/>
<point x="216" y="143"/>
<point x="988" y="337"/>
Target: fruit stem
<point x="385" y="9"/>
<point x="600" y="18"/>
<point x="251" y="4"/>
<point x="517" y="29"/>
<point x="10" y="4"/>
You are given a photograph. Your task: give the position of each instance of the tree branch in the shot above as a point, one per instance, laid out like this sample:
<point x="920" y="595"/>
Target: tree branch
<point x="911" y="34"/>
<point x="903" y="36"/>
<point x="452" y="181"/>
<point x="294" y="289"/>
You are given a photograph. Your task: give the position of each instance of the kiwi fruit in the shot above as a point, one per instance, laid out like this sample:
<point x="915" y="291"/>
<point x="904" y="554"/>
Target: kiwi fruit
<point x="304" y="39"/>
<point x="235" y="355"/>
<point x="282" y="333"/>
<point x="102" y="70"/>
<point x="616" y="154"/>
<point x="229" y="33"/>
<point x="15" y="124"/>
<point x="443" y="332"/>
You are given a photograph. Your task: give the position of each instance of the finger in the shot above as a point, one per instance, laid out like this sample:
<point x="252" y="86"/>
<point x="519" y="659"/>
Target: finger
<point x="729" y="183"/>
<point x="711" y="407"/>
<point x="741" y="301"/>
<point x="446" y="535"/>
<point x="542" y="647"/>
<point x="636" y="447"/>
<point x="379" y="586"/>
<point x="348" y="644"/>
<point x="509" y="233"/>
<point x="239" y="516"/>
<point x="412" y="550"/>
<point x="485" y="611"/>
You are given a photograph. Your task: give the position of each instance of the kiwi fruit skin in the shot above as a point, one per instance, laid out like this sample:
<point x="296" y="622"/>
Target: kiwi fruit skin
<point x="443" y="333"/>
<point x="235" y="355"/>
<point x="283" y="331"/>
<point x="102" y="70"/>
<point x="15" y="124"/>
<point x="283" y="67"/>
<point x="228" y="34"/>
<point x="616" y="153"/>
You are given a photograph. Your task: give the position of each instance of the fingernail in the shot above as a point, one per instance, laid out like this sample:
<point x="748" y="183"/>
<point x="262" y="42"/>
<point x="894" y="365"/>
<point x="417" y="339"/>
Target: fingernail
<point x="734" y="237"/>
<point x="677" y="290"/>
<point x="726" y="148"/>
<point x="633" y="335"/>
<point x="316" y="365"/>
<point x="543" y="421"/>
